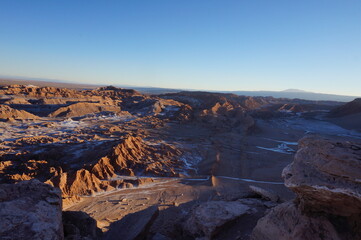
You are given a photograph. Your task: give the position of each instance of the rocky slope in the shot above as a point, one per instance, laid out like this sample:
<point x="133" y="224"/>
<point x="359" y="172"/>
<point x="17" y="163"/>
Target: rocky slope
<point x="350" y="108"/>
<point x="8" y="113"/>
<point x="83" y="108"/>
<point x="348" y="115"/>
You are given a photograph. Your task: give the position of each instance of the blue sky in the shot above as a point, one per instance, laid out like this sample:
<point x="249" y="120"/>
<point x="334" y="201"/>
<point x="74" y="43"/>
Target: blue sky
<point x="313" y="45"/>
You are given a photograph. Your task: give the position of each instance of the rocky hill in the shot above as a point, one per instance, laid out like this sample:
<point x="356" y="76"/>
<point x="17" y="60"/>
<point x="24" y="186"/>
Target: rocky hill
<point x="347" y="115"/>
<point x="353" y="107"/>
<point x="9" y="113"/>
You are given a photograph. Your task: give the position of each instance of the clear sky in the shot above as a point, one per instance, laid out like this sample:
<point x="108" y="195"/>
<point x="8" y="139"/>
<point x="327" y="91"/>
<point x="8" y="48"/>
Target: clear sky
<point x="312" y="45"/>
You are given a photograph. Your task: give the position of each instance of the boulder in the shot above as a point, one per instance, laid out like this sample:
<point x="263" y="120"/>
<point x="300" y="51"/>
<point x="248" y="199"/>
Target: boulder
<point x="286" y="222"/>
<point x="30" y="210"/>
<point x="265" y="194"/>
<point x="209" y="217"/>
<point x="325" y="175"/>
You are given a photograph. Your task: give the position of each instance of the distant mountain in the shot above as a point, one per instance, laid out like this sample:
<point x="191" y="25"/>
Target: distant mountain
<point x="297" y="94"/>
<point x="288" y="93"/>
<point x="293" y="90"/>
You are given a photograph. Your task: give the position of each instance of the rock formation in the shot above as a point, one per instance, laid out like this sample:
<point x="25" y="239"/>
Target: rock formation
<point x="287" y="222"/>
<point x="30" y="210"/>
<point x="7" y="112"/>
<point x="130" y="157"/>
<point x="325" y="175"/>
<point x="133" y="155"/>
<point x="83" y="108"/>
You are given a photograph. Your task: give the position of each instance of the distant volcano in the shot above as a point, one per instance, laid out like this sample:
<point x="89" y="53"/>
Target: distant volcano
<point x="294" y="90"/>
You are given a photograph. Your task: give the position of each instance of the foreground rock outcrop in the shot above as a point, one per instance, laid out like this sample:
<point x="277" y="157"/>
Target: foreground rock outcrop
<point x="209" y="217"/>
<point x="325" y="175"/>
<point x="30" y="210"/>
<point x="287" y="222"/>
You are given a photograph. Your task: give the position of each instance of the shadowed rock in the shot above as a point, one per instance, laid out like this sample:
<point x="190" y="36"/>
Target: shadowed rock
<point x="79" y="225"/>
<point x="349" y="108"/>
<point x="133" y="226"/>
<point x="287" y="222"/>
<point x="209" y="217"/>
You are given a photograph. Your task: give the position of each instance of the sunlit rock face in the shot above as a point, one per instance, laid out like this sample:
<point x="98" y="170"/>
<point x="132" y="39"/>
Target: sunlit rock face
<point x="81" y="109"/>
<point x="130" y="156"/>
<point x="7" y="112"/>
<point x="30" y="210"/>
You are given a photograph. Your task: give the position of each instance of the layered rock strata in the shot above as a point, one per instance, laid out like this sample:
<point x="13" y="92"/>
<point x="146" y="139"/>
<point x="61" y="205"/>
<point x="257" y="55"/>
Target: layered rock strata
<point x="326" y="176"/>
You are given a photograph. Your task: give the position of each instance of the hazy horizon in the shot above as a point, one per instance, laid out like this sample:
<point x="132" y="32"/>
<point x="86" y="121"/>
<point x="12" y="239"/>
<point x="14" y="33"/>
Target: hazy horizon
<point x="238" y="91"/>
<point x="214" y="46"/>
